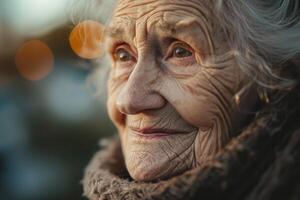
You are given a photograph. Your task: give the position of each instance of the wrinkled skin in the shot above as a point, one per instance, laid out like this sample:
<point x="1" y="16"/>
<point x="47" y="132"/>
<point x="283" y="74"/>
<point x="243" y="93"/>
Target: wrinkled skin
<point x="160" y="81"/>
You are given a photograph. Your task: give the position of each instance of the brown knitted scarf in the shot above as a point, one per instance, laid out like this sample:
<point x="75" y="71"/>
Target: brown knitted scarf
<point x="262" y="163"/>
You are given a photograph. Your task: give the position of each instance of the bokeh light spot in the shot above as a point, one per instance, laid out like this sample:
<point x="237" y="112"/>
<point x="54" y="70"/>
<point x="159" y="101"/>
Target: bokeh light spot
<point x="86" y="39"/>
<point x="34" y="60"/>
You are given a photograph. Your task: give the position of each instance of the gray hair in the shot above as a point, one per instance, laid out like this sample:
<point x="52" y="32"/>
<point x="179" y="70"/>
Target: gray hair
<point x="265" y="36"/>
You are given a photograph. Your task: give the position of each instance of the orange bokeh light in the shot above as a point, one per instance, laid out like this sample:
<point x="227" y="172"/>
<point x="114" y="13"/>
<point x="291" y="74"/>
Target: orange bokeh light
<point x="86" y="39"/>
<point x="34" y="60"/>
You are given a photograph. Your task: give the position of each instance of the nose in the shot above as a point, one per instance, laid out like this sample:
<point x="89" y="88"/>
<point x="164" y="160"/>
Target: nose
<point x="138" y="93"/>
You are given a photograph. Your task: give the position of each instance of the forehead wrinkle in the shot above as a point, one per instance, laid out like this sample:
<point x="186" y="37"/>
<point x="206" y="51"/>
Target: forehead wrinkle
<point x="168" y="25"/>
<point x="188" y="8"/>
<point x="163" y="25"/>
<point x="132" y="5"/>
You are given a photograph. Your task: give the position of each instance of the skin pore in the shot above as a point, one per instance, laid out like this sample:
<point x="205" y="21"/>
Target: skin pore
<point x="169" y="97"/>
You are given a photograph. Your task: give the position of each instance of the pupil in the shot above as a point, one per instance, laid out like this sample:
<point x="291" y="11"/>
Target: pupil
<point x="181" y="52"/>
<point x="123" y="55"/>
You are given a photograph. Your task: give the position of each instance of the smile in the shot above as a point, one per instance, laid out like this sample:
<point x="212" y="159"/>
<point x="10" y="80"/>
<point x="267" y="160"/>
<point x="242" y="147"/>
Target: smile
<point x="152" y="133"/>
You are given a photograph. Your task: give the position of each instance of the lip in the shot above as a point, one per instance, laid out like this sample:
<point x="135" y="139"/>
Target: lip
<point x="155" y="132"/>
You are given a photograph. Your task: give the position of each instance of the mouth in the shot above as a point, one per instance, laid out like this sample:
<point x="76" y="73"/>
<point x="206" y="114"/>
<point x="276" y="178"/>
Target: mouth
<point x="150" y="132"/>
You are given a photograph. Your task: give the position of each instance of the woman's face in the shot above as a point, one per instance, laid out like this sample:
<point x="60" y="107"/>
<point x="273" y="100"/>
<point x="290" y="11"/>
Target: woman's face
<point x="172" y="105"/>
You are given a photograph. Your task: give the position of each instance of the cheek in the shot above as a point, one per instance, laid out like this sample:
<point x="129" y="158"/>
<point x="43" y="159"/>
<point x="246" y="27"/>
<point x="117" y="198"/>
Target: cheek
<point x="198" y="111"/>
<point x="116" y="117"/>
<point x="203" y="99"/>
<point x="114" y="114"/>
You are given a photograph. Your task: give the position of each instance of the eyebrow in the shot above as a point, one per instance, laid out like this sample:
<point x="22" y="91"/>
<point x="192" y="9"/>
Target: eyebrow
<point x="114" y="32"/>
<point x="178" y="27"/>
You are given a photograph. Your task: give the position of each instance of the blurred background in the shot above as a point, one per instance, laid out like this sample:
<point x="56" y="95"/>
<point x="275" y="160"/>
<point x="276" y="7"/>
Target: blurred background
<point x="50" y="118"/>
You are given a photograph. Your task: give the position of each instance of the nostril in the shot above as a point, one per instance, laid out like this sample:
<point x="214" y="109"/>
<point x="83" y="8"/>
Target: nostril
<point x="127" y="104"/>
<point x="134" y="99"/>
<point x="138" y="104"/>
<point x="129" y="101"/>
<point x="121" y="107"/>
<point x="127" y="108"/>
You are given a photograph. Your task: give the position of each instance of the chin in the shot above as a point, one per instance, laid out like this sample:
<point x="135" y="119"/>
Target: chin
<point x="151" y="159"/>
<point x="145" y="169"/>
<point x="144" y="174"/>
<point x="145" y="164"/>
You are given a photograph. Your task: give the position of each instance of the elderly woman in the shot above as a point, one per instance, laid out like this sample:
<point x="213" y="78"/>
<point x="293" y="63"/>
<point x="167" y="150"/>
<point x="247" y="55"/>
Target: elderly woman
<point x="204" y="95"/>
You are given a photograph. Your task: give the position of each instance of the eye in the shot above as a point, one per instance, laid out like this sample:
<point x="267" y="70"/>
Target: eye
<point x="123" y="55"/>
<point x="181" y="52"/>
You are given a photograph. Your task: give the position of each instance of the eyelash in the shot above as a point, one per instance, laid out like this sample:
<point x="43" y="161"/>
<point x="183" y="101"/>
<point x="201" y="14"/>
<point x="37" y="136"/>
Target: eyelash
<point x="122" y="46"/>
<point x="170" y="51"/>
<point x="175" y="45"/>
